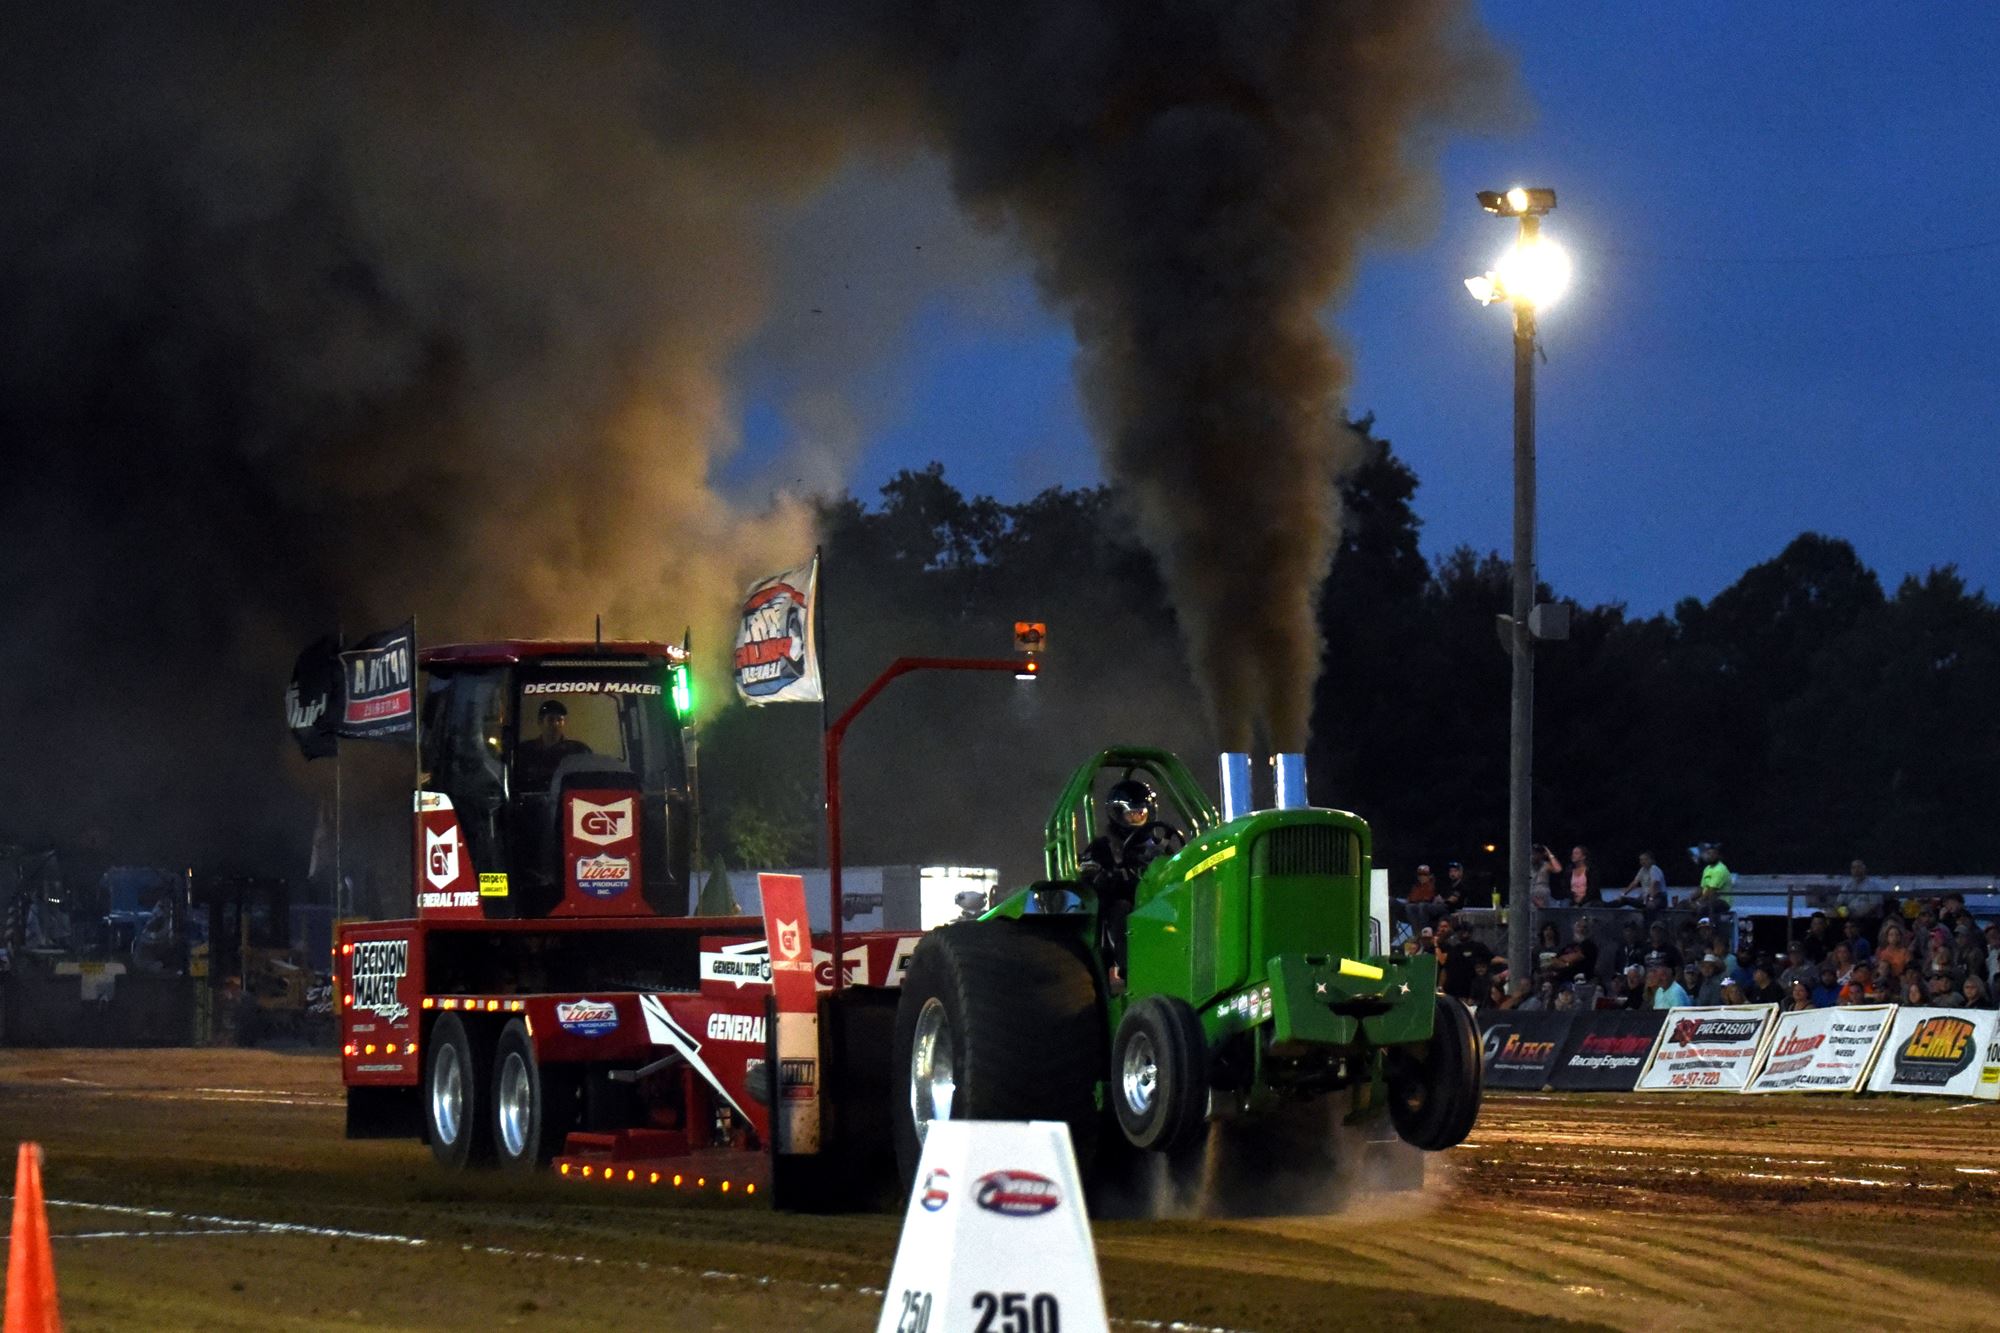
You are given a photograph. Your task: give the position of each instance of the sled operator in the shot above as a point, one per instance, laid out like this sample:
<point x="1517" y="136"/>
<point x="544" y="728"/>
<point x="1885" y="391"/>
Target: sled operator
<point x="536" y="758"/>
<point x="1116" y="859"/>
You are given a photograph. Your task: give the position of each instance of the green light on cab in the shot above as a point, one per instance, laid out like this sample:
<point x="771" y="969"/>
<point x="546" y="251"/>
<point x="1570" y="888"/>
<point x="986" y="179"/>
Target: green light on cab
<point x="681" y="687"/>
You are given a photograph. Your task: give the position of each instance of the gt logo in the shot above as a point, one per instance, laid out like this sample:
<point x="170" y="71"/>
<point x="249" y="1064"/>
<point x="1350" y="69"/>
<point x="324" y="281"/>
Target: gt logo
<point x="788" y="940"/>
<point x="441" y="857"/>
<point x="601" y="824"/>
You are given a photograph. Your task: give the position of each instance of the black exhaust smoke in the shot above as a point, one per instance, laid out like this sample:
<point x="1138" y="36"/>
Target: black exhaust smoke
<point x="1194" y="179"/>
<point x="318" y="313"/>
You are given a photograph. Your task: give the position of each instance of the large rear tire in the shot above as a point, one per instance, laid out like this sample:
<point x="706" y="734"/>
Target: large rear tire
<point x="995" y="1022"/>
<point x="533" y="1106"/>
<point x="1435" y="1089"/>
<point x="1159" y="1075"/>
<point x="457" y="1079"/>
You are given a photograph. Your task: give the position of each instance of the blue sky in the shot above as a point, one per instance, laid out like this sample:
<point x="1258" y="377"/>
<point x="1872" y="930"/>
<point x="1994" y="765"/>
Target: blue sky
<point x="1748" y="349"/>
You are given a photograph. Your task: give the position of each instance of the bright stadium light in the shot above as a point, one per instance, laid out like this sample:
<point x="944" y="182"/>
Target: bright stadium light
<point x="1535" y="271"/>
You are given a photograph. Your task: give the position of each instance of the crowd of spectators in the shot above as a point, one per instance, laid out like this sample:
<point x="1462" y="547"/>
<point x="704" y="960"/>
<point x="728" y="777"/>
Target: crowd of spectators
<point x="1863" y="945"/>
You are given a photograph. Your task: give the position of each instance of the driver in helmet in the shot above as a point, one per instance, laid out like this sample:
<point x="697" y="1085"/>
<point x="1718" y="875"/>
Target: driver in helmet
<point x="1112" y="865"/>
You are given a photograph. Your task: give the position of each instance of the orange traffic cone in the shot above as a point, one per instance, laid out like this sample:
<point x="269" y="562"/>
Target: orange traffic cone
<point x="31" y="1265"/>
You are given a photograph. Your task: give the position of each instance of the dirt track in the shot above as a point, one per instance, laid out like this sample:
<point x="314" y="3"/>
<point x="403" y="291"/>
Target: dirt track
<point x="213" y="1189"/>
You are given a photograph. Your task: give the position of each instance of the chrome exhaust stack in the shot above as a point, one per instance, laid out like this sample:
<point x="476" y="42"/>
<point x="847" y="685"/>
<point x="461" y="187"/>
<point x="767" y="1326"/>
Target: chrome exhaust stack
<point x="1237" y="800"/>
<point x="1291" y="781"/>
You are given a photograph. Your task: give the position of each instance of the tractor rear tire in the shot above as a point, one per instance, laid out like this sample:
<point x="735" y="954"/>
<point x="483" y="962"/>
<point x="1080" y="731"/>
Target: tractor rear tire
<point x="1435" y="1090"/>
<point x="458" y="1078"/>
<point x="533" y="1106"/>
<point x="995" y="1022"/>
<point x="1159" y="1075"/>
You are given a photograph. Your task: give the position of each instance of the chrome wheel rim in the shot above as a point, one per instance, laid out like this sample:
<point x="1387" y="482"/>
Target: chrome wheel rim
<point x="933" y="1071"/>
<point x="517" y="1109"/>
<point x="447" y="1094"/>
<point x="1140" y="1077"/>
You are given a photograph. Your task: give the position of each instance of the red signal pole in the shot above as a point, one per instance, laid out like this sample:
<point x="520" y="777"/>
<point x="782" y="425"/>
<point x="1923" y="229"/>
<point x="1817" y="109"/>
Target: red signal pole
<point x="1027" y="668"/>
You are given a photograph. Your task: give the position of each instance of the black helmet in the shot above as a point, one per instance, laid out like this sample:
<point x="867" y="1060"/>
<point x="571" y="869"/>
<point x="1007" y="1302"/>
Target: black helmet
<point x="1129" y="804"/>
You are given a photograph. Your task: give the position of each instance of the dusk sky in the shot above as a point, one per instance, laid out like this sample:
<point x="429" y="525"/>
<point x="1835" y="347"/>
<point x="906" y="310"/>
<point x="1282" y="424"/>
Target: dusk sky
<point x="1784" y="225"/>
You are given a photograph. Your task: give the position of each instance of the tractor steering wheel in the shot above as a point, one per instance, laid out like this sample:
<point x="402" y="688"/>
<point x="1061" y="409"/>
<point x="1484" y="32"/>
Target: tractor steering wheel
<point x="1173" y="837"/>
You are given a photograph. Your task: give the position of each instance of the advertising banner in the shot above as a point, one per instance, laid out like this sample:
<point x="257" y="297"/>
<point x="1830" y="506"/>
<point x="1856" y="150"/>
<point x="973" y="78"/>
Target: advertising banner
<point x="1946" y="1052"/>
<point x="1519" y="1050"/>
<point x="777" y="658"/>
<point x="1714" y="1049"/>
<point x="1606" y="1050"/>
<point x="1823" y="1050"/>
<point x="312" y="700"/>
<point x="380" y="678"/>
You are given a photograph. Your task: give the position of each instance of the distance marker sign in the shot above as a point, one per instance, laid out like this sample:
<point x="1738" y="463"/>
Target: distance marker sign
<point x="995" y="1237"/>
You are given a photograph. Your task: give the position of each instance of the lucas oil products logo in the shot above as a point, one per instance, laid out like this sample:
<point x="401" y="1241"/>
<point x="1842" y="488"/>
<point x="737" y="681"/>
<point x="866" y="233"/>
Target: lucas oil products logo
<point x="603" y="876"/>
<point x="1939" y="1049"/>
<point x="600" y="824"/>
<point x="378" y="969"/>
<point x="1016" y="1193"/>
<point x="588" y="1018"/>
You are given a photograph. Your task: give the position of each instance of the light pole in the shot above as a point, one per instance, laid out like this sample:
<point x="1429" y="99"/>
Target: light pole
<point x="1529" y="276"/>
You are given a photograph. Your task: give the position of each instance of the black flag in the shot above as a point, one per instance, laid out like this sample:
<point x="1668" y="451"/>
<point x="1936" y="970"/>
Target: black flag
<point x="312" y="700"/>
<point x="378" y="679"/>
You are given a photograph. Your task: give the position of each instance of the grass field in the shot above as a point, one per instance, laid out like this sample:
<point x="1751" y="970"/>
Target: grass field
<point x="213" y="1190"/>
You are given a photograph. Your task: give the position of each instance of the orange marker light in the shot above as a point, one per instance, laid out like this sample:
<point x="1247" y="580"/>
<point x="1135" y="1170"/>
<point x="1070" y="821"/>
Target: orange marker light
<point x="750" y="1189"/>
<point x="586" y="1173"/>
<point x="631" y="1175"/>
<point x="653" y="1179"/>
<point x="565" y="1168"/>
<point x="725" y="1187"/>
<point x="677" y="1182"/>
<point x="429" y="1002"/>
<point x="369" y="1049"/>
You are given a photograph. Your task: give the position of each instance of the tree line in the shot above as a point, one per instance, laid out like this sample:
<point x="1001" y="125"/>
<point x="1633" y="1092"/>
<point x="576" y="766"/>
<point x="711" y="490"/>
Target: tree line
<point x="1802" y="717"/>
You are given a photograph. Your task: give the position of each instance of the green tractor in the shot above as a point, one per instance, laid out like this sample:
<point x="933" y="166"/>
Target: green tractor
<point x="1252" y="993"/>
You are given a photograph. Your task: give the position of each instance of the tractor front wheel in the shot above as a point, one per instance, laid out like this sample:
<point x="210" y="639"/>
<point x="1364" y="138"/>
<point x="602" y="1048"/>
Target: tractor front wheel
<point x="995" y="1022"/>
<point x="1159" y="1075"/>
<point x="1434" y="1089"/>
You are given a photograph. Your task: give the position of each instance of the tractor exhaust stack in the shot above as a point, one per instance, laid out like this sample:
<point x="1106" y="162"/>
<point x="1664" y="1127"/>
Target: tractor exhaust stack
<point x="1236" y="798"/>
<point x="1291" y="781"/>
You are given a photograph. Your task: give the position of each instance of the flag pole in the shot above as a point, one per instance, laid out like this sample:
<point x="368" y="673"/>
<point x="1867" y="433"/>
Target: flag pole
<point x="416" y="758"/>
<point x="819" y="651"/>
<point x="339" y="881"/>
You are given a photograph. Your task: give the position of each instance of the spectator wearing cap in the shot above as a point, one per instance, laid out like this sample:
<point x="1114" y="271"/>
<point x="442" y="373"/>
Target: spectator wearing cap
<point x="1456" y="890"/>
<point x="1797" y="966"/>
<point x="1660" y="950"/>
<point x="1826" y="993"/>
<point x="1420" y="905"/>
<point x="1458" y="958"/>
<point x="1708" y="990"/>
<point x="1580" y="954"/>
<point x="1764" y="988"/>
<point x="1633" y="978"/>
<point x="1857" y="943"/>
<point x="1943" y="995"/>
<point x="1662" y="991"/>
<point x="1648" y="889"/>
<point x="1691" y="979"/>
<point x="1716" y="880"/>
<point x="1732" y="992"/>
<point x="1632" y="945"/>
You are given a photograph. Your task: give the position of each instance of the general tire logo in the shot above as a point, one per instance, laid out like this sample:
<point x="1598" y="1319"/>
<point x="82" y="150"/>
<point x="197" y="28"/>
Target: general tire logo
<point x="936" y="1192"/>
<point x="377" y="974"/>
<point x="601" y="824"/>
<point x="1016" y="1193"/>
<point x="588" y="1018"/>
<point x="441" y="857"/>
<point x="737" y="1027"/>
<point x="788" y="941"/>
<point x="1938" y="1050"/>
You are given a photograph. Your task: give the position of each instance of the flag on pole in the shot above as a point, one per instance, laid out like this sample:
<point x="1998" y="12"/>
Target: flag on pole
<point x="777" y="653"/>
<point x="379" y="685"/>
<point x="312" y="700"/>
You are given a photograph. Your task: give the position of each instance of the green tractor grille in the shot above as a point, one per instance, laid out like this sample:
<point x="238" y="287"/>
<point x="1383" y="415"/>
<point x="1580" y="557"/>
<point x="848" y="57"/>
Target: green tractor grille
<point x="1306" y="849"/>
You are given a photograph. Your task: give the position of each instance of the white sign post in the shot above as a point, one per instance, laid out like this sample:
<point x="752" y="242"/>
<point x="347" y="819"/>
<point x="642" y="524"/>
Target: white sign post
<point x="996" y="1236"/>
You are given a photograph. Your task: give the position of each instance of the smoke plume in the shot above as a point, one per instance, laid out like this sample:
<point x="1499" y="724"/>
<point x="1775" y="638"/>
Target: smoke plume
<point x="1194" y="180"/>
<point x="318" y="314"/>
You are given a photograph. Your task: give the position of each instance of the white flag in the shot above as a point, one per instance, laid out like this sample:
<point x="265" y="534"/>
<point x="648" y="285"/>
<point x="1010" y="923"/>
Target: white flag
<point x="777" y="653"/>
